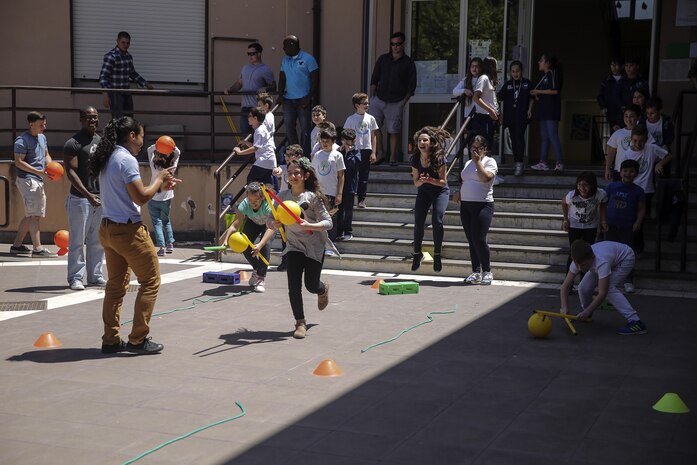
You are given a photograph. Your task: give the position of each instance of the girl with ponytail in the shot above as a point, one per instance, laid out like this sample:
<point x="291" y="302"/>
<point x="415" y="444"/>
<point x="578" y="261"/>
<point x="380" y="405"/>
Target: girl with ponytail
<point x="126" y="241"/>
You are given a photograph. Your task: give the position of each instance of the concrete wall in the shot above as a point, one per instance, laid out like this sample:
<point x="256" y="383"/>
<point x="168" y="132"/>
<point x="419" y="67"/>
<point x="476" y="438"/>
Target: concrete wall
<point x="198" y="186"/>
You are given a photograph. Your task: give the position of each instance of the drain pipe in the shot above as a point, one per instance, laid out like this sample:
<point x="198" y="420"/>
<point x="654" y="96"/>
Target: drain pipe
<point x="316" y="41"/>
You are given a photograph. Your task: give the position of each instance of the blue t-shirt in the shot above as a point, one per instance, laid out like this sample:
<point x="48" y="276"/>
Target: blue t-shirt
<point x="121" y="169"/>
<point x="34" y="150"/>
<point x="352" y="161"/>
<point x="549" y="106"/>
<point x="297" y="70"/>
<point x="623" y="203"/>
<point x="259" y="216"/>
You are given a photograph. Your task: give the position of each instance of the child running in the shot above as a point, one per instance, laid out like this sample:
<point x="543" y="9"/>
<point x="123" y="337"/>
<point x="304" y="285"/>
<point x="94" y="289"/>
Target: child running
<point x="305" y="251"/>
<point x="252" y="214"/>
<point x="606" y="265"/>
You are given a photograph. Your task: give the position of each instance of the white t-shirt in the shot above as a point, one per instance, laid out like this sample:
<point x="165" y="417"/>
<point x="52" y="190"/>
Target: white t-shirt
<point x="264" y="148"/>
<point x="622" y="141"/>
<point x="327" y="167"/>
<point x="484" y="86"/>
<point x="656" y="130"/>
<point x="316" y="148"/>
<point x="608" y="255"/>
<point x="163" y="194"/>
<point x="364" y="125"/>
<point x="473" y="189"/>
<point x="460" y="89"/>
<point x="647" y="159"/>
<point x="584" y="213"/>
<point x="270" y="123"/>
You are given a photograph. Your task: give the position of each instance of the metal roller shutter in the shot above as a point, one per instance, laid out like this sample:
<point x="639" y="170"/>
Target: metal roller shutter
<point x="168" y="37"/>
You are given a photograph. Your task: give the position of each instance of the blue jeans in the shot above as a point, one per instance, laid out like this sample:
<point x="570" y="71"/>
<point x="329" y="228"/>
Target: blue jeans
<point x="159" y="213"/>
<point x="120" y="104"/>
<point x="436" y="200"/>
<point x="549" y="133"/>
<point x="476" y="220"/>
<point x="83" y="222"/>
<point x="294" y="113"/>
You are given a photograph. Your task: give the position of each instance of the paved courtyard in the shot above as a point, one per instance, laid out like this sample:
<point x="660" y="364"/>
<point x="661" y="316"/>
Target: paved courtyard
<point x="471" y="387"/>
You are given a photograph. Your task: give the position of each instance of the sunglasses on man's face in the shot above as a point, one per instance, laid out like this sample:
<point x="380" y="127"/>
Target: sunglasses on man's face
<point x="396" y="44"/>
<point x="251" y="54"/>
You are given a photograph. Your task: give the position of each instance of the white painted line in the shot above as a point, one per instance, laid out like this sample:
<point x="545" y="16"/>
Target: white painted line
<point x="14" y="314"/>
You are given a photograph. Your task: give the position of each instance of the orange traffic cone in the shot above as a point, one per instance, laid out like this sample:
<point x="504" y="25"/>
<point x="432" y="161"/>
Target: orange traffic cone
<point x="47" y="341"/>
<point x="376" y="284"/>
<point x="327" y="367"/>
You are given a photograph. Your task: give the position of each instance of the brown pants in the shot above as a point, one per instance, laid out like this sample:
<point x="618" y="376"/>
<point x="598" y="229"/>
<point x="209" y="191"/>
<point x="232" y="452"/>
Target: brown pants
<point x="128" y="247"/>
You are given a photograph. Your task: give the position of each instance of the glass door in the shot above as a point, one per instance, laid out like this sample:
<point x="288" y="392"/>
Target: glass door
<point x="443" y="35"/>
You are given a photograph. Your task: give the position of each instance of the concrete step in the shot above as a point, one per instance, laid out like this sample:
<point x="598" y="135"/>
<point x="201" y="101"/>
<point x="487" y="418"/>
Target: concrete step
<point x="507" y="190"/>
<point x="452" y="217"/>
<point x="378" y="200"/>
<point x="455" y="233"/>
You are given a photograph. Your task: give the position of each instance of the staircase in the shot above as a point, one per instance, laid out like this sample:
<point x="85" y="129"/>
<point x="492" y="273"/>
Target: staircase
<point x="526" y="240"/>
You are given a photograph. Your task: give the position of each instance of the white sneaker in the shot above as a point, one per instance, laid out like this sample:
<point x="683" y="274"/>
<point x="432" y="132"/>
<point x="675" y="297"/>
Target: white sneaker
<point x="498" y="180"/>
<point x="260" y="285"/>
<point x="474" y="278"/>
<point x="518" y="169"/>
<point x="253" y="279"/>
<point x="487" y="278"/>
<point x="77" y="286"/>
<point x="629" y="288"/>
<point x="541" y="166"/>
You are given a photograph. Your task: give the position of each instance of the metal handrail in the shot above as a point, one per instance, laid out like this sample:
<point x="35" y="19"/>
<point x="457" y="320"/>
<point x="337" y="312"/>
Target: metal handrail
<point x="210" y="95"/>
<point x="683" y="160"/>
<point x="455" y="139"/>
<point x="221" y="190"/>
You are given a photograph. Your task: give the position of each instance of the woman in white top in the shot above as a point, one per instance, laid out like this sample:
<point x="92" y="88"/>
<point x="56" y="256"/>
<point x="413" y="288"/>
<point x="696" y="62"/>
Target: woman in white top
<point x="484" y="98"/>
<point x="476" y="199"/>
<point x="466" y="86"/>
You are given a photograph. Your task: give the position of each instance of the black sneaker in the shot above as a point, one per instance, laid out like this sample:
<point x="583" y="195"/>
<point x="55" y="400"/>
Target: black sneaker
<point x="437" y="264"/>
<point x="418" y="258"/>
<point x="635" y="327"/>
<point x="21" y="249"/>
<point x="283" y="266"/>
<point x="43" y="253"/>
<point x="114" y="348"/>
<point x="147" y="347"/>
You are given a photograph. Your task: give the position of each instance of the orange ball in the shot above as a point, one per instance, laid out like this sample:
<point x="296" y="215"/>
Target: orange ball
<point x="54" y="170"/>
<point x="165" y="145"/>
<point x="61" y="239"/>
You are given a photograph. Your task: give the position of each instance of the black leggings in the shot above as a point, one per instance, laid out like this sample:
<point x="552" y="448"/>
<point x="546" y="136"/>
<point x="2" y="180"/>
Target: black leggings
<point x="253" y="231"/>
<point x="297" y="264"/>
<point x="476" y="220"/>
<point x="517" y="132"/>
<point x="425" y="198"/>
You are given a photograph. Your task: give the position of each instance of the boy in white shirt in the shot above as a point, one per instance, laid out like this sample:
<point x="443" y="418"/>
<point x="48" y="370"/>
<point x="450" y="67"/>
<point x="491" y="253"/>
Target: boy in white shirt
<point x="620" y="141"/>
<point x="606" y="265"/>
<point x="329" y="167"/>
<point x="264" y="150"/>
<point x="322" y="126"/>
<point x="319" y="115"/>
<point x="366" y="128"/>
<point x="264" y="103"/>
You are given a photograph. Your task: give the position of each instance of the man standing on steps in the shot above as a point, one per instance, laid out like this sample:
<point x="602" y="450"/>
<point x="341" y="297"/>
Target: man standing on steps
<point x="255" y="76"/>
<point x="297" y="87"/>
<point x="391" y="86"/>
<point x="117" y="73"/>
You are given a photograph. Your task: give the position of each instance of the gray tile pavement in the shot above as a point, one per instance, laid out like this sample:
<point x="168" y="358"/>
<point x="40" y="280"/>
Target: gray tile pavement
<point x="469" y="388"/>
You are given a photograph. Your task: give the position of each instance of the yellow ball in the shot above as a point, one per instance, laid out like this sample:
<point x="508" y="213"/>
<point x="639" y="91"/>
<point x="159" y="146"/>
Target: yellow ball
<point x="285" y="217"/>
<point x="237" y="242"/>
<point x="540" y="325"/>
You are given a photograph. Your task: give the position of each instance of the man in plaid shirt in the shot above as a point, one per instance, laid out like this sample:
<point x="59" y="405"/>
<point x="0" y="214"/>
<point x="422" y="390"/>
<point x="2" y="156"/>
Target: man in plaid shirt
<point x="117" y="72"/>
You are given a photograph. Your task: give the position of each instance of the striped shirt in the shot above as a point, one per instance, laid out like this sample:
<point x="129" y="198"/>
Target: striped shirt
<point x="118" y="70"/>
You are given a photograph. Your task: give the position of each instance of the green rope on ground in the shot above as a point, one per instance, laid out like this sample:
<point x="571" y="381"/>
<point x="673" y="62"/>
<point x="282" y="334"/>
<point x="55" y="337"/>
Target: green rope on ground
<point x="429" y="320"/>
<point x="195" y="301"/>
<point x="164" y="444"/>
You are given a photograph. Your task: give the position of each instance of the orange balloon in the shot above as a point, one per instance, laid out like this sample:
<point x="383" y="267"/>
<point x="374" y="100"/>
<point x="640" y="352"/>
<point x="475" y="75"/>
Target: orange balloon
<point x="61" y="239"/>
<point x="165" y="145"/>
<point x="54" y="170"/>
